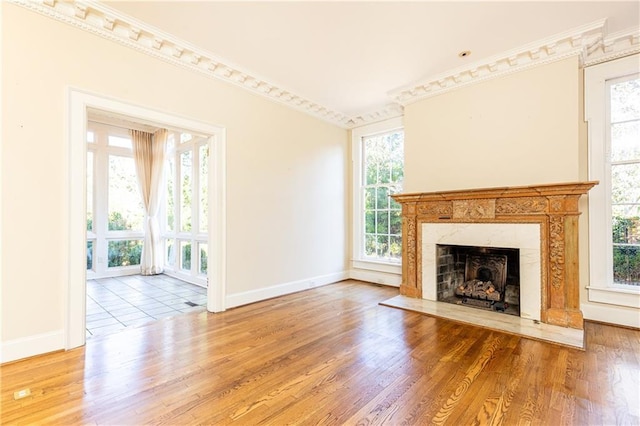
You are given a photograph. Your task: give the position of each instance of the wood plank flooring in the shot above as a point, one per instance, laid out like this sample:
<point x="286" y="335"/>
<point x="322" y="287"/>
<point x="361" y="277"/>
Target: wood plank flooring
<point x="331" y="356"/>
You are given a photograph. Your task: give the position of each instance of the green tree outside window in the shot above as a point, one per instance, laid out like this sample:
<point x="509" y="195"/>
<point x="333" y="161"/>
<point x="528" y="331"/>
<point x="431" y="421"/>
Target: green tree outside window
<point x="383" y="175"/>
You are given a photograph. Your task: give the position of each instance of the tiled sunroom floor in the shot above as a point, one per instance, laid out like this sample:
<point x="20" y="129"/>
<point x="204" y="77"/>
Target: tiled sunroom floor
<point x="116" y="303"/>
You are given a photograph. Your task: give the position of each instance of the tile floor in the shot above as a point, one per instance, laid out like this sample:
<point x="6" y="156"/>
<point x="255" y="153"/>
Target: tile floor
<point x="119" y="302"/>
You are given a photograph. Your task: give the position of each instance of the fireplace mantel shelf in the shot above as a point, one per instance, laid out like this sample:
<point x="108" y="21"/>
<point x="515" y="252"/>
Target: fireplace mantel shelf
<point x="553" y="206"/>
<point x="571" y="188"/>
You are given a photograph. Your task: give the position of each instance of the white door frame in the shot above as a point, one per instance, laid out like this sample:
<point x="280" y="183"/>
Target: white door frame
<point x="76" y="292"/>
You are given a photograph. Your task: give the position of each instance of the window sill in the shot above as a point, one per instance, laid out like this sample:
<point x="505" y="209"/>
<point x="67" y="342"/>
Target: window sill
<point x="378" y="266"/>
<point x="615" y="296"/>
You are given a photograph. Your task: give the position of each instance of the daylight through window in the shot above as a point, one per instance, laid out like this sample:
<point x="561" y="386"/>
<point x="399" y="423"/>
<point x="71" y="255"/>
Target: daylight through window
<point x="383" y="172"/>
<point x="624" y="137"/>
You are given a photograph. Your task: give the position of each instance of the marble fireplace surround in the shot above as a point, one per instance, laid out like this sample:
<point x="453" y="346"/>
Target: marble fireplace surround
<point x="551" y="208"/>
<point x="522" y="236"/>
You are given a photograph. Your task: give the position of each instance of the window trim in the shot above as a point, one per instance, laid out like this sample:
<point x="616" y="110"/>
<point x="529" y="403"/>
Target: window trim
<point x="601" y="286"/>
<point x="357" y="240"/>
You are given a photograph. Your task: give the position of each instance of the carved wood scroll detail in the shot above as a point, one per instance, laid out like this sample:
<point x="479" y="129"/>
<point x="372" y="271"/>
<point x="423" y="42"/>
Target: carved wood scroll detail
<point x="521" y="205"/>
<point x="410" y="226"/>
<point x="556" y="250"/>
<point x="474" y="209"/>
<point x="436" y="209"/>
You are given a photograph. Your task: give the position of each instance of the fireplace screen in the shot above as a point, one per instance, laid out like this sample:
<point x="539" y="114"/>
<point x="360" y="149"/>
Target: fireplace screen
<point x="479" y="277"/>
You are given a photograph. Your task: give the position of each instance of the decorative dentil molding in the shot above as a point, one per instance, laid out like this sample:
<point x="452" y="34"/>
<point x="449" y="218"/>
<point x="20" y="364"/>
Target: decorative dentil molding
<point x="391" y="110"/>
<point x="588" y="42"/>
<point x="614" y="46"/>
<point x="101" y="20"/>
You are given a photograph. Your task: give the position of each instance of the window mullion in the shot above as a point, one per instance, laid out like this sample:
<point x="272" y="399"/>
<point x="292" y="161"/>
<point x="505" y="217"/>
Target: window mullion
<point x="625" y="162"/>
<point x="632" y="120"/>
<point x="101" y="200"/>
<point x="195" y="206"/>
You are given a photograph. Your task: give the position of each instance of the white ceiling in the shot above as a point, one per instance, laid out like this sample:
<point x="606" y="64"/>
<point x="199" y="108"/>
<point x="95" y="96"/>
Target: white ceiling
<point x="348" y="56"/>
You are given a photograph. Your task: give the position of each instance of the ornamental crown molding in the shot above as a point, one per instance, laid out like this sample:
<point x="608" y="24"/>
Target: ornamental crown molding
<point x="112" y="25"/>
<point x="391" y="110"/>
<point x="588" y="42"/>
<point x="614" y="46"/>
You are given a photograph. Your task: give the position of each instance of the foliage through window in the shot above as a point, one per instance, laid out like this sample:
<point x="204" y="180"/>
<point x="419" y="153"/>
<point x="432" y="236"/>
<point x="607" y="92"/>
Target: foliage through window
<point x="383" y="173"/>
<point x="124" y="253"/>
<point x="89" y="190"/>
<point x="624" y="137"/>
<point x="126" y="211"/>
<point x="114" y="207"/>
<point x="204" y="257"/>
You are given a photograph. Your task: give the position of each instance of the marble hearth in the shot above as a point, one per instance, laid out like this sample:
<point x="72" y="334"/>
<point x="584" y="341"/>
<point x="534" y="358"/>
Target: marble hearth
<point x="541" y="221"/>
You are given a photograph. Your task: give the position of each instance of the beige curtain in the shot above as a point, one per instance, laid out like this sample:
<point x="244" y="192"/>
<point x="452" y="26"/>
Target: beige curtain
<point x="149" y="155"/>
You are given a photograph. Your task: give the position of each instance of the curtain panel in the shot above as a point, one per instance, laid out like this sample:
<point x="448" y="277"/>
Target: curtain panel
<point x="149" y="156"/>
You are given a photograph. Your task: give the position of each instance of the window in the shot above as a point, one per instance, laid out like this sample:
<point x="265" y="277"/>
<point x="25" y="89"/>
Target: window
<point x="186" y="190"/>
<point x="126" y="211"/>
<point x="612" y="107"/>
<point x="624" y="141"/>
<point x="378" y="163"/>
<point x="382" y="176"/>
<point x="115" y="212"/>
<point x="186" y="207"/>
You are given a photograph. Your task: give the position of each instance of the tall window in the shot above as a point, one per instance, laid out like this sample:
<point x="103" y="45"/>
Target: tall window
<point x="378" y="172"/>
<point x="114" y="207"/>
<point x="186" y="207"/>
<point x="624" y="139"/>
<point x="383" y="172"/>
<point x="612" y="109"/>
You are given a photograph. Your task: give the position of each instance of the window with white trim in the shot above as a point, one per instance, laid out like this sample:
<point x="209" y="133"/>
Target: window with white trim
<point x="115" y="212"/>
<point x="114" y="206"/>
<point x="612" y="107"/>
<point x="624" y="146"/>
<point x="378" y="163"/>
<point x="186" y="207"/>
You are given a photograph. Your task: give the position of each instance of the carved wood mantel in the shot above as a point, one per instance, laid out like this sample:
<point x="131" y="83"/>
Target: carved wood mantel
<point x="553" y="206"/>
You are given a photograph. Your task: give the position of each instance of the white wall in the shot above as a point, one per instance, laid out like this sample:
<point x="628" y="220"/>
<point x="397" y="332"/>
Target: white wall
<point x="515" y="130"/>
<point x="287" y="172"/>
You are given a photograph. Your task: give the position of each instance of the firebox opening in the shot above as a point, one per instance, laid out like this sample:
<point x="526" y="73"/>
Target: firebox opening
<point x="481" y="277"/>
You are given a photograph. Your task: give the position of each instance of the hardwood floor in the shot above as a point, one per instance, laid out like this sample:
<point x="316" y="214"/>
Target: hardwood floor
<point x="330" y="355"/>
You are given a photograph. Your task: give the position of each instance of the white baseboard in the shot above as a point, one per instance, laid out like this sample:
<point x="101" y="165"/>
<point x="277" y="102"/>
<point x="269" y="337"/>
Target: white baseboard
<point x="200" y="282"/>
<point x="617" y="315"/>
<point x="30" y="346"/>
<point x="239" y="299"/>
<point x="385" y="278"/>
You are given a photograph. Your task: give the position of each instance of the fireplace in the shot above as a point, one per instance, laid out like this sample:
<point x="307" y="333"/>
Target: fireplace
<point x="479" y="277"/>
<point x="499" y="238"/>
<point x="541" y="222"/>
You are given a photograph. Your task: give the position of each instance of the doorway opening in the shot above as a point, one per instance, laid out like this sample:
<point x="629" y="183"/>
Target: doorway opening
<point x="116" y="228"/>
<point x="110" y="250"/>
